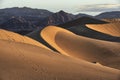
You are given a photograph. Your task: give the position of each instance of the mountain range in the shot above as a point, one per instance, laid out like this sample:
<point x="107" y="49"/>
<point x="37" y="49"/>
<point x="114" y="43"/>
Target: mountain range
<point x="24" y="20"/>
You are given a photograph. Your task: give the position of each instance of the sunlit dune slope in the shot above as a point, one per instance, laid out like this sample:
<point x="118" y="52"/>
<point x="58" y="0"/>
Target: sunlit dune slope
<point x="36" y="36"/>
<point x="106" y="53"/>
<point x="11" y="36"/>
<point x="110" y="28"/>
<point x="19" y="61"/>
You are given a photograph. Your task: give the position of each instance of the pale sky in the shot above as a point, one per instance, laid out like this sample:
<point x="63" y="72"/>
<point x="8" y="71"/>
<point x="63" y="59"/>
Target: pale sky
<point x="72" y="6"/>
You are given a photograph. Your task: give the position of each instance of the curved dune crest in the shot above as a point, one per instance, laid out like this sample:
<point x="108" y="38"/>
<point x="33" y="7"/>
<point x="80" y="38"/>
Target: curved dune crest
<point x="11" y="36"/>
<point x="110" y="28"/>
<point x="106" y="53"/>
<point x="36" y="36"/>
<point x="49" y="34"/>
<point x="27" y="62"/>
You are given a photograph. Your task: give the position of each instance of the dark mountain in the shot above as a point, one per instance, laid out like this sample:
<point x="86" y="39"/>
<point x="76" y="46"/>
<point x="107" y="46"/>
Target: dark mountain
<point x="114" y="14"/>
<point x="19" y="25"/>
<point x="57" y="18"/>
<point x="60" y="18"/>
<point x="25" y="11"/>
<point x="29" y="14"/>
<point x="29" y="18"/>
<point x="26" y="19"/>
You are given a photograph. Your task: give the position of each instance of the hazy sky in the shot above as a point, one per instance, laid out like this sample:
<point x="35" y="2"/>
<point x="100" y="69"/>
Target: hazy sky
<point x="73" y="6"/>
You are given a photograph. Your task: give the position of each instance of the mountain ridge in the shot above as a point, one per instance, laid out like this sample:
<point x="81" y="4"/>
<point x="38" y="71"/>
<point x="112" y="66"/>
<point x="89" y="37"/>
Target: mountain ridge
<point x="39" y="18"/>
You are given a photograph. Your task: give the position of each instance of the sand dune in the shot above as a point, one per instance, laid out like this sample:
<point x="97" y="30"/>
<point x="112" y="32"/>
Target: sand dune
<point x="78" y="26"/>
<point x="67" y="43"/>
<point x="36" y="36"/>
<point x="110" y="28"/>
<point x="116" y="20"/>
<point x="19" y="61"/>
<point x="83" y="30"/>
<point x="11" y="36"/>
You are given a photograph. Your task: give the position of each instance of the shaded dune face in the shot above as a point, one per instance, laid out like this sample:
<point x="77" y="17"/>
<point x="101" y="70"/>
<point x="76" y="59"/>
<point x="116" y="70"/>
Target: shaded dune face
<point x="20" y="61"/>
<point x="11" y="36"/>
<point x="110" y="28"/>
<point x="36" y="36"/>
<point x="67" y="43"/>
<point x="83" y="30"/>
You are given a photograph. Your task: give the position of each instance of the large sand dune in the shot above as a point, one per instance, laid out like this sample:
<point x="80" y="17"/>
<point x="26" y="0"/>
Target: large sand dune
<point x="19" y="61"/>
<point x="11" y="36"/>
<point x="110" y="28"/>
<point x="106" y="53"/>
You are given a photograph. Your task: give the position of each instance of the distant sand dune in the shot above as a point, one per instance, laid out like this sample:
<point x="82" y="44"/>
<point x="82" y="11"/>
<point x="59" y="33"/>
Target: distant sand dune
<point x="110" y="28"/>
<point x="11" y="36"/>
<point x="103" y="52"/>
<point x="78" y="26"/>
<point x="19" y="61"/>
<point x="115" y="20"/>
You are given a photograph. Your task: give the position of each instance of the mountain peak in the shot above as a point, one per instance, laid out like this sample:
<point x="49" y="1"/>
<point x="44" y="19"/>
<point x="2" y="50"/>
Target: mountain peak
<point x="61" y="11"/>
<point x="59" y="18"/>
